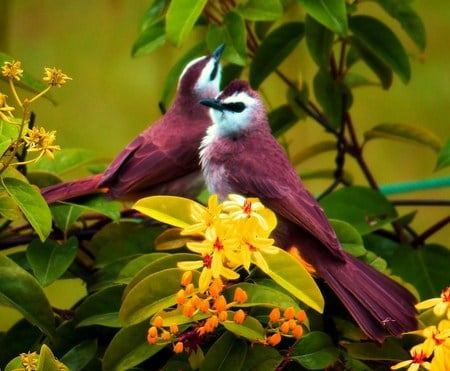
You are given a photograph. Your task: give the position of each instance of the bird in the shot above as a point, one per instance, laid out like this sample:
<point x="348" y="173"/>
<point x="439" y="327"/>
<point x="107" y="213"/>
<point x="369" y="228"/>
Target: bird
<point x="239" y="155"/>
<point x="163" y="159"/>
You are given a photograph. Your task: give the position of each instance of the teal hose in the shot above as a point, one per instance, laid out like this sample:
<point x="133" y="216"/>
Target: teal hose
<point x="418" y="185"/>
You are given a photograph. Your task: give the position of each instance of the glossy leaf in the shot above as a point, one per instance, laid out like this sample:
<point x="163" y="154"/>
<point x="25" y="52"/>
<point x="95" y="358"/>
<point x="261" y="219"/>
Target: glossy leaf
<point x="363" y="208"/>
<point x="177" y="317"/>
<point x="98" y="204"/>
<point x="331" y="13"/>
<point x="80" y="355"/>
<point x="233" y="34"/>
<point x="128" y="348"/>
<point x="47" y="361"/>
<point x="226" y="353"/>
<point x="260" y="10"/>
<point x="319" y="41"/>
<point x="261" y="358"/>
<point x="313" y="150"/>
<point x="135" y="265"/>
<point x="101" y="308"/>
<point x="150" y="39"/>
<point x="65" y="161"/>
<point x="8" y="207"/>
<point x="390" y="350"/>
<point x="153" y="13"/>
<point x="50" y="260"/>
<point x="154" y="293"/>
<point x="181" y="17"/>
<point x="380" y="68"/>
<point x="162" y="263"/>
<point x="284" y="40"/>
<point x="171" y="239"/>
<point x="349" y="238"/>
<point x="354" y="80"/>
<point x="172" y="210"/>
<point x="315" y="351"/>
<point x="281" y="119"/>
<point x="32" y="204"/>
<point x="443" y="160"/>
<point x="405" y="132"/>
<point x="383" y="42"/>
<point x="259" y="295"/>
<point x="287" y="271"/>
<point x="425" y="267"/>
<point x="409" y="20"/>
<point x="65" y="215"/>
<point x="8" y="133"/>
<point x="22" y="292"/>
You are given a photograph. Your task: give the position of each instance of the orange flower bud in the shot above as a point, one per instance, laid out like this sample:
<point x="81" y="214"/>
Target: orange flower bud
<point x="180" y="297"/>
<point x="186" y="278"/>
<point x="239" y="316"/>
<point x="152" y="340"/>
<point x="158" y="321"/>
<point x="190" y="289"/>
<point x="275" y="315"/>
<point x="274" y="339"/>
<point x="211" y="323"/>
<point x="298" y="331"/>
<point x="216" y="288"/>
<point x="292" y="324"/>
<point x="223" y="316"/>
<point x="240" y="295"/>
<point x="195" y="300"/>
<point x="301" y="316"/>
<point x="178" y="347"/>
<point x="204" y="306"/>
<point x="220" y="303"/>
<point x="165" y="335"/>
<point x="289" y="313"/>
<point x="173" y="328"/>
<point x="153" y="332"/>
<point x="284" y="327"/>
<point x="188" y="309"/>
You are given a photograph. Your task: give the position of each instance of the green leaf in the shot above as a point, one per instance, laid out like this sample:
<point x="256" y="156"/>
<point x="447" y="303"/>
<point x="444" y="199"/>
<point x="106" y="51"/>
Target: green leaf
<point x="405" y="132"/>
<point x="135" y="265"/>
<point x="425" y="267"/>
<point x="128" y="348"/>
<point x="47" y="361"/>
<point x="315" y="351"/>
<point x="389" y="350"/>
<point x="443" y="160"/>
<point x="261" y="358"/>
<point x="65" y="215"/>
<point x="383" y="43"/>
<point x="380" y="68"/>
<point x="172" y="210"/>
<point x="8" y="133"/>
<point x="260" y="10"/>
<point x="354" y="80"/>
<point x="180" y="19"/>
<point x="21" y="291"/>
<point x="250" y="329"/>
<point x="8" y="207"/>
<point x="101" y="308"/>
<point x="363" y="208"/>
<point x="331" y="13"/>
<point x="313" y="150"/>
<point x="153" y="13"/>
<point x="150" y="39"/>
<point x="259" y="295"/>
<point x="80" y="355"/>
<point x="226" y="353"/>
<point x="165" y="262"/>
<point x="349" y="238"/>
<point x="284" y="40"/>
<point x="409" y="20"/>
<point x="98" y="204"/>
<point x="32" y="204"/>
<point x="319" y="41"/>
<point x="65" y="161"/>
<point x="154" y="293"/>
<point x="171" y="81"/>
<point x="233" y="34"/>
<point x="287" y="271"/>
<point x="281" y="119"/>
<point x="50" y="260"/>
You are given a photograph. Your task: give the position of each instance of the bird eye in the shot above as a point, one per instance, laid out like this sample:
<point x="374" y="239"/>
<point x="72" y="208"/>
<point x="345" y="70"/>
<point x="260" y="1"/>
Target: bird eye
<point x="234" y="107"/>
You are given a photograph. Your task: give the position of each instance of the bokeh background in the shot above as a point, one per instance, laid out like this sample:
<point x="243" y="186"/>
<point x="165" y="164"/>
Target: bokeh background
<point x="113" y="96"/>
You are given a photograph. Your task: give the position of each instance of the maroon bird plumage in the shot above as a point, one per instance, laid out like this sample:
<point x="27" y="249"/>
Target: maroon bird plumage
<point x="239" y="155"/>
<point x="163" y="159"/>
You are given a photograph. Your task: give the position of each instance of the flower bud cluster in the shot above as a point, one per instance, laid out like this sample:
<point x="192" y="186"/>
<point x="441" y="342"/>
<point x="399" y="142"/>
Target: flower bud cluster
<point x="289" y="324"/>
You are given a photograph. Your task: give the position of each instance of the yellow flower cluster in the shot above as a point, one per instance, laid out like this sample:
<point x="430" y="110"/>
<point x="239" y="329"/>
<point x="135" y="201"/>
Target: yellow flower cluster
<point x="235" y="233"/>
<point x="30" y="362"/>
<point x="39" y="140"/>
<point x="434" y="353"/>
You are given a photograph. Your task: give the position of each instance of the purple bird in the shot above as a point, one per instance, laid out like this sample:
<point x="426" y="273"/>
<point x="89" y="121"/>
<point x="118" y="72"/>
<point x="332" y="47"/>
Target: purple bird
<point x="163" y="159"/>
<point x="239" y="155"/>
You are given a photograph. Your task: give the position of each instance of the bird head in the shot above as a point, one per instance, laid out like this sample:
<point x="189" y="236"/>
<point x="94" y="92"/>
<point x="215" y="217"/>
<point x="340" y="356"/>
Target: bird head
<point x="235" y="109"/>
<point x="202" y="76"/>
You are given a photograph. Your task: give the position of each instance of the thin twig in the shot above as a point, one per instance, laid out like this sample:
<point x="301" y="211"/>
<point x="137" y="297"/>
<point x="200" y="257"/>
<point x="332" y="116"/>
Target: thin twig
<point x="420" y="239"/>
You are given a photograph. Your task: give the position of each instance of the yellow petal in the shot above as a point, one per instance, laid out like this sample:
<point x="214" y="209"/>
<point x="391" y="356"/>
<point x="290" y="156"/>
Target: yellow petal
<point x="190" y="265"/>
<point x="401" y="365"/>
<point x="205" y="279"/>
<point x="428" y="303"/>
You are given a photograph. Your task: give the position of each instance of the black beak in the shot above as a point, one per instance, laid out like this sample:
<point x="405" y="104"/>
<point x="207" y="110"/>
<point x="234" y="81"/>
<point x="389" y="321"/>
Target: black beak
<point x="218" y="52"/>
<point x="213" y="103"/>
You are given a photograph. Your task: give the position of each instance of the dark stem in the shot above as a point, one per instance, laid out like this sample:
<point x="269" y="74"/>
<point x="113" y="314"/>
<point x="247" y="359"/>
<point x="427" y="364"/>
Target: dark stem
<point x="420" y="239"/>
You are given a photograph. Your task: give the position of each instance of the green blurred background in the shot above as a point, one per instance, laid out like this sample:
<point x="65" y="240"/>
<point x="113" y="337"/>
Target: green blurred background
<point x="113" y="96"/>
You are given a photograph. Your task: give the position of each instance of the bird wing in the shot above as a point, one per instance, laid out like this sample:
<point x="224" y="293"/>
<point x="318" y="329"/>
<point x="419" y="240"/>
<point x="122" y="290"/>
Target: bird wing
<point x="263" y="170"/>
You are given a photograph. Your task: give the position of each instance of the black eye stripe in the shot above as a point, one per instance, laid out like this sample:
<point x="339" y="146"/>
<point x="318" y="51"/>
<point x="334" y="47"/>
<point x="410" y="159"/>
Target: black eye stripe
<point x="234" y="107"/>
<point x="214" y="71"/>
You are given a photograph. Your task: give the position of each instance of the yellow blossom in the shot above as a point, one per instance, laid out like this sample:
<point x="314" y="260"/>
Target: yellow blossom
<point x="419" y="356"/>
<point x="440" y="305"/>
<point x="29" y="361"/>
<point x="5" y="109"/>
<point x="206" y="216"/>
<point x="12" y="70"/>
<point x="40" y="140"/>
<point x="55" y="77"/>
